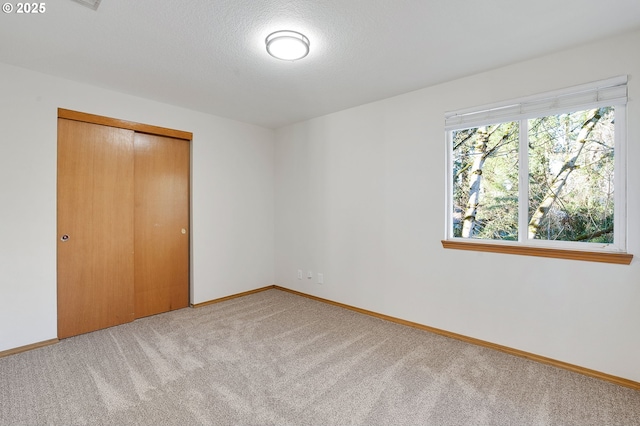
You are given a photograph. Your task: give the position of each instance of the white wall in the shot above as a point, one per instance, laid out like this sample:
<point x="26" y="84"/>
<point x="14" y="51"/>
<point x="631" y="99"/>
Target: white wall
<point x="359" y="197"/>
<point x="232" y="197"/>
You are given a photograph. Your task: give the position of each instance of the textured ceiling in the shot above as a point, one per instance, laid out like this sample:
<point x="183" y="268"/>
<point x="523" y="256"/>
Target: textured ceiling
<point x="209" y="55"/>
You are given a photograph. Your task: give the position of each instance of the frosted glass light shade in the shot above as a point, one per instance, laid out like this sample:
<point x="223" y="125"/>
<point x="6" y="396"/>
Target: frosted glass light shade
<point x="287" y="45"/>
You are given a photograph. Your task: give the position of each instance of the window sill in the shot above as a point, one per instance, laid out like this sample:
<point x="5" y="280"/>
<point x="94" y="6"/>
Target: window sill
<point x="588" y="256"/>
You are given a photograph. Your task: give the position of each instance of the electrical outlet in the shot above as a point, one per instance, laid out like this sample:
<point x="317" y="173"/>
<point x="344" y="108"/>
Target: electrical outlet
<point x="309" y="274"/>
<point x="299" y="274"/>
<point x="320" y="278"/>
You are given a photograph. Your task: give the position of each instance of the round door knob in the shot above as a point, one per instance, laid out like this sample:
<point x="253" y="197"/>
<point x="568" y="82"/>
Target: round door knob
<point x="184" y="231"/>
<point x="64" y="238"/>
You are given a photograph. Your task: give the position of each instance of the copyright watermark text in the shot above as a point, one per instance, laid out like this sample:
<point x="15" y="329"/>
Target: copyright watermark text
<point x="24" y="8"/>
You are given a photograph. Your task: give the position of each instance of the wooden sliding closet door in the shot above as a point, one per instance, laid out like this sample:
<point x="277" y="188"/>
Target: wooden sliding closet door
<point x="95" y="227"/>
<point x="123" y="221"/>
<point x="161" y="224"/>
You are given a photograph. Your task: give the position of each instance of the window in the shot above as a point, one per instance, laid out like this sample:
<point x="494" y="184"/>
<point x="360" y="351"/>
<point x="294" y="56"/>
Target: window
<point x="545" y="171"/>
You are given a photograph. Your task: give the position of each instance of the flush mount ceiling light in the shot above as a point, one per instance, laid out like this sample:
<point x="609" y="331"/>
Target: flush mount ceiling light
<point x="287" y="45"/>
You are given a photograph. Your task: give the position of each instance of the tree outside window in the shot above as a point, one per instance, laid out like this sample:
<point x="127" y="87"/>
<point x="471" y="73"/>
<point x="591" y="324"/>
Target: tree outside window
<point x="540" y="177"/>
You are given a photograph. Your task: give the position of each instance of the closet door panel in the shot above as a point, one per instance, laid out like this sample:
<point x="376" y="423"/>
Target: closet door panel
<point x="95" y="227"/>
<point x="161" y="224"/>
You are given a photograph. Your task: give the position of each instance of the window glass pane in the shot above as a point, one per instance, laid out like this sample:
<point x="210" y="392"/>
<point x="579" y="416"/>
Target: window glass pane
<point x="571" y="176"/>
<point x="485" y="182"/>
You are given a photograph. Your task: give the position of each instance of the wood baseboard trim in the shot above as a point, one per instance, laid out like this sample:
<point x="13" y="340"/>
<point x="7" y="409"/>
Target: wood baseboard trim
<point x="28" y="347"/>
<point x="538" y="358"/>
<point x="233" y="296"/>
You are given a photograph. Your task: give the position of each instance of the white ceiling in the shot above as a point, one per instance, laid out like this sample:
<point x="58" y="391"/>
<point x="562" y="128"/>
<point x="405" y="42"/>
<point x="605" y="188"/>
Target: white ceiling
<point x="209" y="55"/>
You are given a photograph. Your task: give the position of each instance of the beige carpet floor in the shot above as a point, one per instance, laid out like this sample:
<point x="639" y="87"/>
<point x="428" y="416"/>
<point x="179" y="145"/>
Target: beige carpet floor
<point x="274" y="358"/>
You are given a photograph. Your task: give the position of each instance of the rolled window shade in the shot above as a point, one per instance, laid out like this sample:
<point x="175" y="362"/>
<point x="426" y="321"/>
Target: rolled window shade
<point x="592" y="95"/>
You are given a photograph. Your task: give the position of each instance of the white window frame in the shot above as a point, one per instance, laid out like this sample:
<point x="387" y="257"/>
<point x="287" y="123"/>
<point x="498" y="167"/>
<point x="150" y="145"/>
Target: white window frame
<point x="610" y="92"/>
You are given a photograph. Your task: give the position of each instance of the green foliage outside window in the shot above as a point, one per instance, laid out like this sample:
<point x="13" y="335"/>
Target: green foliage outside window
<point x="570" y="178"/>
